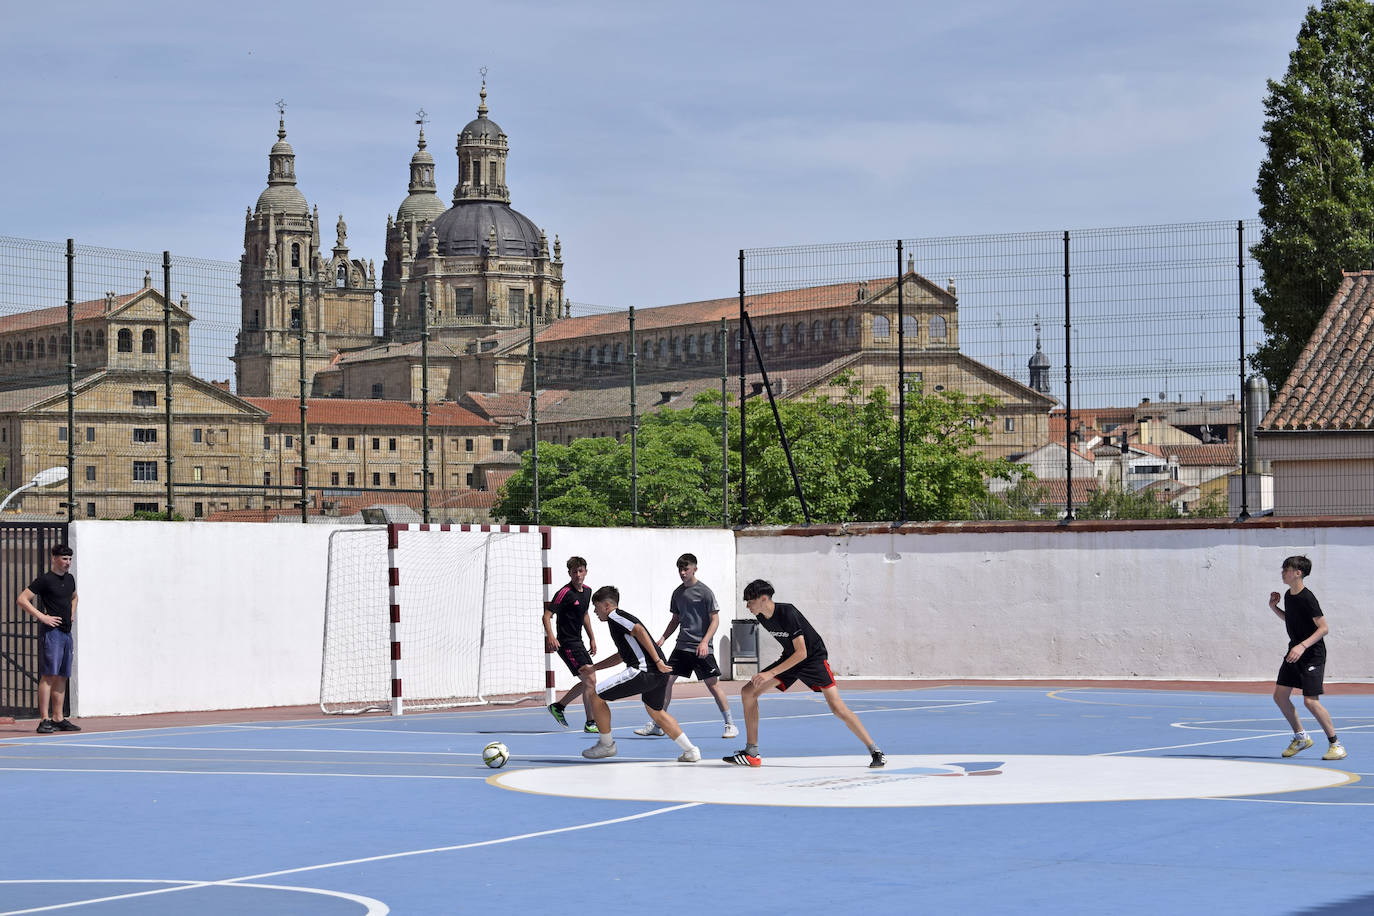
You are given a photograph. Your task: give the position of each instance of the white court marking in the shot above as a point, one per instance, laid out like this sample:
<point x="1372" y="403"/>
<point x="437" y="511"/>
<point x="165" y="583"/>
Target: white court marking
<point x="923" y="780"/>
<point x="371" y="907"/>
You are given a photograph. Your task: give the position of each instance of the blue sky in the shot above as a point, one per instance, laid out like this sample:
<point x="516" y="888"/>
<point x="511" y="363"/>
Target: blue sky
<point x="654" y="139"/>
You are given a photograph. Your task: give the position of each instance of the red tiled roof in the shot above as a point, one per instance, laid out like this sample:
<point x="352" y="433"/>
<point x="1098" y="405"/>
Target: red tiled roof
<point x="363" y="412"/>
<point x="1209" y="455"/>
<point x="57" y="315"/>
<point x="1055" y="488"/>
<point x="1331" y="386"/>
<point x="709" y="310"/>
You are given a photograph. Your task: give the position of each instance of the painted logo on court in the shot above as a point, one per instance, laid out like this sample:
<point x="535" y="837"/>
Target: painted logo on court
<point x="924" y="780"/>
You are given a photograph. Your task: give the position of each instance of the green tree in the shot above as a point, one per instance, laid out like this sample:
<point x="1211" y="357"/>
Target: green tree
<point x="844" y="450"/>
<point x="1316" y="183"/>
<point x="1116" y="503"/>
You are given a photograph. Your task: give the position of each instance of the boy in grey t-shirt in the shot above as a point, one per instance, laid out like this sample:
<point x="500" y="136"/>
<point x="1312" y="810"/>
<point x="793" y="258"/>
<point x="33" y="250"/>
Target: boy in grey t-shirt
<point x="695" y="616"/>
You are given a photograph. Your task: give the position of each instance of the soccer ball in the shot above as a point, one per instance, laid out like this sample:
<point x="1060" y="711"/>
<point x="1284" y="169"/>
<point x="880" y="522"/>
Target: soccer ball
<point x="495" y="755"/>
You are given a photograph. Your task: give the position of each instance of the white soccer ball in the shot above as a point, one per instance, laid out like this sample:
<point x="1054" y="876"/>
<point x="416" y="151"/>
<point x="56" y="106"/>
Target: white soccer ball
<point x="495" y="755"/>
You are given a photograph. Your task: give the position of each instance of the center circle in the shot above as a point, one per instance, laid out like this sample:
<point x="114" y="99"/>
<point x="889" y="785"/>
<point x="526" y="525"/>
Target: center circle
<point x="922" y="780"/>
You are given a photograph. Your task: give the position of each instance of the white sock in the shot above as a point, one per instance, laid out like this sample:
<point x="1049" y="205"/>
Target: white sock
<point x="1301" y="735"/>
<point x="683" y="741"/>
<point x="605" y="740"/>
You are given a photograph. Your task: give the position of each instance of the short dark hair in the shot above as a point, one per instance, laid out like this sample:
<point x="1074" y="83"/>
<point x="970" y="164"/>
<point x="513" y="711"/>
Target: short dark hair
<point x="757" y="589"/>
<point x="606" y="593"/>
<point x="687" y="559"/>
<point x="1300" y="563"/>
<point x="574" y="562"/>
<point x="61" y="550"/>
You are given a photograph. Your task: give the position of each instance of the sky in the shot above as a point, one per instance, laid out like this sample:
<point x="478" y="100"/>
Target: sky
<point x="655" y="140"/>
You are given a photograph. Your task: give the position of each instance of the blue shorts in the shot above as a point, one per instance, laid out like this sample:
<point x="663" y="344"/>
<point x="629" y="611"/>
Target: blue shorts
<point x="55" y="654"/>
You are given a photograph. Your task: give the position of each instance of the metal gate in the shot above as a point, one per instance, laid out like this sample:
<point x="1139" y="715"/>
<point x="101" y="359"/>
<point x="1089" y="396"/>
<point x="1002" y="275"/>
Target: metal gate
<point x="24" y="554"/>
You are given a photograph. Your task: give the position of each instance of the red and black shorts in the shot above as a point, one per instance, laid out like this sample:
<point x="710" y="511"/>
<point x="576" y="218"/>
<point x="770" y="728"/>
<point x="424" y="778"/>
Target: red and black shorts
<point x="575" y="656"/>
<point x="814" y="673"/>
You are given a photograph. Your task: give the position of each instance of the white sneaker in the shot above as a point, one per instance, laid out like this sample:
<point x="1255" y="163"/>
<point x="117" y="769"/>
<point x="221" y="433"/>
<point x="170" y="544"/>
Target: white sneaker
<point x="649" y="731"/>
<point x="599" y="750"/>
<point x="730" y="731"/>
<point x="691" y="755"/>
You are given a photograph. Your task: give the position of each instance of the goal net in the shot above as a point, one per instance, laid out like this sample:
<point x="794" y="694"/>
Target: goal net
<point x="421" y="617"/>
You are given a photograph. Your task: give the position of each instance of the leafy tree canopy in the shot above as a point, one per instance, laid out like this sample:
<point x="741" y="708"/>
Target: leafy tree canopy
<point x="844" y="450"/>
<point x="1316" y="183"/>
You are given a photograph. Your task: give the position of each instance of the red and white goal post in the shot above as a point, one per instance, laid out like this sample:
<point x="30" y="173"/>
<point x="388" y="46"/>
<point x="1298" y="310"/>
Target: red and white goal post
<point x="456" y="609"/>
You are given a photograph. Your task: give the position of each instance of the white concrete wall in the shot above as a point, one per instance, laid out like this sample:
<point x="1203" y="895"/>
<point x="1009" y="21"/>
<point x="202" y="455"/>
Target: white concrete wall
<point x="1174" y="604"/>
<point x="200" y="616"/>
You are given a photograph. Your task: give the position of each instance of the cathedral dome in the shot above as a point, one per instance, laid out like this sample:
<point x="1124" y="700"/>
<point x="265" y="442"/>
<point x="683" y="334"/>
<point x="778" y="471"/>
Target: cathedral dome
<point x="465" y="229"/>
<point x="422" y="205"/>
<point x="1039" y="360"/>
<point x="482" y="128"/>
<point x="284" y="198"/>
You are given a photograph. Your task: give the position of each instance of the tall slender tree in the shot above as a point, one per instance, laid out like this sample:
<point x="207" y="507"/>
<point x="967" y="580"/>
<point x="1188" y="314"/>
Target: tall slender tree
<point x="1316" y="183"/>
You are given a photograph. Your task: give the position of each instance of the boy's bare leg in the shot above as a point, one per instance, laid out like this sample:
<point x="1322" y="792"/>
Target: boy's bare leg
<point x="1314" y="706"/>
<point x="1285" y="704"/>
<point x="718" y="694"/>
<point x="749" y="699"/>
<point x="59" y="698"/>
<point x="846" y="715"/>
<point x="45" y="683"/>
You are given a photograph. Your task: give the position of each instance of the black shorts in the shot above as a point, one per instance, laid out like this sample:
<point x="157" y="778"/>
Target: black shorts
<point x="1306" y="673"/>
<point x="686" y="662"/>
<point x="814" y="673"/>
<point x="575" y="656"/>
<point x="651" y="686"/>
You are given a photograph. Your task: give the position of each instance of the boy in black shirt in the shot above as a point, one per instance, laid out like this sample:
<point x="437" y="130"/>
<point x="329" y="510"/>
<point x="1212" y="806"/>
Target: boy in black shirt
<point x="1305" y="664"/>
<point x="565" y="617"/>
<point x="804" y="659"/>
<point x="57" y="589"/>
<point x="646" y="674"/>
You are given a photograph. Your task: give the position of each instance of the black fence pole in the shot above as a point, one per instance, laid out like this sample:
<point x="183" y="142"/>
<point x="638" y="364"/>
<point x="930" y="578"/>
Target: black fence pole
<point x="1068" y="391"/>
<point x="777" y="420"/>
<point x="743" y="428"/>
<point x="634" y="423"/>
<point x="71" y="380"/>
<point x="1244" y="450"/>
<point x="424" y="403"/>
<point x="304" y="469"/>
<point x="167" y="375"/>
<point x="534" y="415"/>
<point x="901" y="391"/>
<point x="724" y="424"/>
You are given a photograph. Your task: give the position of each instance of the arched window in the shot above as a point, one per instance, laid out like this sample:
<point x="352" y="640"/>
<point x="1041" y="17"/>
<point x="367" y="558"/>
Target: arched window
<point x="605" y="354"/>
<point x="647" y="353"/>
<point x="174" y="341"/>
<point x="28" y="349"/>
<point x="768" y="338"/>
<point x="52" y="347"/>
<point x="9" y="353"/>
<point x="41" y="352"/>
<point x="835" y="329"/>
<point x="65" y="343"/>
<point x="817" y="332"/>
<point x="564" y="364"/>
<point x="618" y="354"/>
<point x="851" y="327"/>
<point x="125" y="341"/>
<point x="295" y="254"/>
<point x="706" y="347"/>
<point x="882" y="328"/>
<point x="100" y="339"/>
<point x="88" y="342"/>
<point x="591" y="356"/>
<point x="341" y="278"/>
<point x="937" y="327"/>
<point x="149" y="343"/>
<point x="911" y="327"/>
<point x="785" y="336"/>
<point x="577" y="357"/>
<point x="800" y="333"/>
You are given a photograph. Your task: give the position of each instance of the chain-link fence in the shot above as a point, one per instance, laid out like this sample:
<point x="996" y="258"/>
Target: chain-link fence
<point x="1055" y="374"/>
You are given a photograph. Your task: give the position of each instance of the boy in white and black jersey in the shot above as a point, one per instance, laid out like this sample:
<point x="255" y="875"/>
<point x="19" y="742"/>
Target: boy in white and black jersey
<point x="645" y="674"/>
<point x="805" y="659"/>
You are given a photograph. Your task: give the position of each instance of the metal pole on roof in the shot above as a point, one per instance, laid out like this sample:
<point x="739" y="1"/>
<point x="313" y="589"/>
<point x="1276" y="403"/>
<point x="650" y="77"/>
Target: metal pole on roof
<point x="424" y="403"/>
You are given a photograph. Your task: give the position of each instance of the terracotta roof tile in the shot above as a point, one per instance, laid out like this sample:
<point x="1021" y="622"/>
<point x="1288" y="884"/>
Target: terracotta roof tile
<point x="42" y="318"/>
<point x="1331" y="386"/>
<point x="1210" y="455"/>
<point x="363" y="412"/>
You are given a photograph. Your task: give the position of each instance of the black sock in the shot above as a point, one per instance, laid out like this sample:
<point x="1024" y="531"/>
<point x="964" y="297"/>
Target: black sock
<point x="1331" y="738"/>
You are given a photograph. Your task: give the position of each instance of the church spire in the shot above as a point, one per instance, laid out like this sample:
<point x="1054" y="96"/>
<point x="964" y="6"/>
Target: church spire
<point x="282" y="194"/>
<point x="482" y="150"/>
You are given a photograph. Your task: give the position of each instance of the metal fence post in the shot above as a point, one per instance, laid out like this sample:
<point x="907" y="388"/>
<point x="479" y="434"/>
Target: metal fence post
<point x="424" y="402"/>
<point x="1244" y="393"/>
<point x="1068" y="391"/>
<point x="743" y="429"/>
<point x="534" y="415"/>
<point x="300" y="362"/>
<point x="167" y="375"/>
<point x="634" y="423"/>
<point x="71" y="380"/>
<point x="901" y="391"/>
<point x="724" y="424"/>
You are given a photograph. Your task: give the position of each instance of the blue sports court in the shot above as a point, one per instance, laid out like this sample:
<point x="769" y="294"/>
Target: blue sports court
<point x="996" y="799"/>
